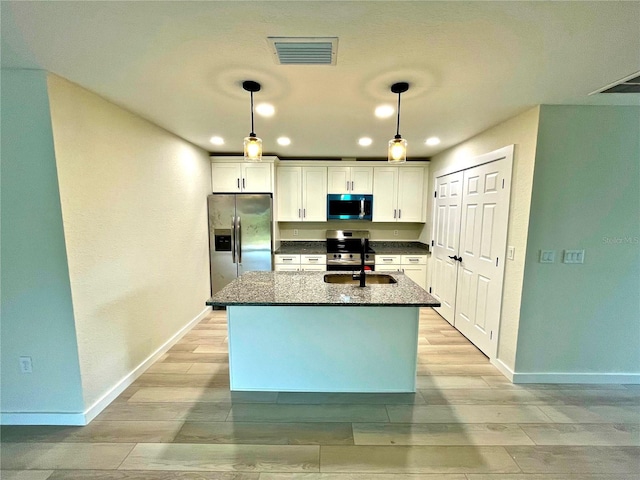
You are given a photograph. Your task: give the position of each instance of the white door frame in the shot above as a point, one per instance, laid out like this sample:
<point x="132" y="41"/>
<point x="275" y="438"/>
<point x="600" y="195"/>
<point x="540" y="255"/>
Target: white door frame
<point x="465" y="164"/>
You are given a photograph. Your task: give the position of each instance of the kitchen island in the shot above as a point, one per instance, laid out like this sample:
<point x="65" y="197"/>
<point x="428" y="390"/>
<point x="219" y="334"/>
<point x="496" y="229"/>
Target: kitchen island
<point x="292" y="331"/>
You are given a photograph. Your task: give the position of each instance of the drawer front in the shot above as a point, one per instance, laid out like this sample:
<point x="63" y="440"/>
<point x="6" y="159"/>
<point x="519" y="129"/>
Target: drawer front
<point x="387" y="268"/>
<point x="313" y="259"/>
<point x="413" y="260"/>
<point x="313" y="268"/>
<point x="280" y="259"/>
<point x="388" y="259"/>
<point x="287" y="268"/>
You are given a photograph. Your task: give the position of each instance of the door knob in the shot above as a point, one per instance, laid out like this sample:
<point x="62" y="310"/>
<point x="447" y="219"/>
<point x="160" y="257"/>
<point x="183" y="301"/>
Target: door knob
<point x="456" y="258"/>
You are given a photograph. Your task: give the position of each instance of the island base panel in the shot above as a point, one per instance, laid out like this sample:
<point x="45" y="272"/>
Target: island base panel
<point x="323" y="349"/>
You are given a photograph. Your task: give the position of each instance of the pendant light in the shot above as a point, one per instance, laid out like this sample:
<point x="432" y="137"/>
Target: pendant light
<point x="252" y="144"/>
<point x="398" y="145"/>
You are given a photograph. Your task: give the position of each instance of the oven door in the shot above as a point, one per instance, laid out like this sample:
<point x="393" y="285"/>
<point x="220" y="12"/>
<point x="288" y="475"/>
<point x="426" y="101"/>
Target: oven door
<point x="349" y="207"/>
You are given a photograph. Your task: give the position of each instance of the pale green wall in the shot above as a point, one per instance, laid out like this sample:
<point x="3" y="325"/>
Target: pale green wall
<point x="586" y="195"/>
<point x="37" y="315"/>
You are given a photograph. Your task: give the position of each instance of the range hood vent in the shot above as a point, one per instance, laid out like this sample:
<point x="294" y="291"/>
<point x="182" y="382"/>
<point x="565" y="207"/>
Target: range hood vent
<point x="304" y="50"/>
<point x="630" y="84"/>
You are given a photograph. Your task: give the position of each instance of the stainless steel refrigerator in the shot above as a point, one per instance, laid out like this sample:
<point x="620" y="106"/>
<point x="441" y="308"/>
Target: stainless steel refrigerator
<point x="239" y="235"/>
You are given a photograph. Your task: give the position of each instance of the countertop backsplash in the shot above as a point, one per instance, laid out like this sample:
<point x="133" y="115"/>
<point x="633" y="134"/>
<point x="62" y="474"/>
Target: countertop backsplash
<point x="380" y="247"/>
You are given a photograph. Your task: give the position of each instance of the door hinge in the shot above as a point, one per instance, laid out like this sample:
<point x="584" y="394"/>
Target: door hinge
<point x="496" y="261"/>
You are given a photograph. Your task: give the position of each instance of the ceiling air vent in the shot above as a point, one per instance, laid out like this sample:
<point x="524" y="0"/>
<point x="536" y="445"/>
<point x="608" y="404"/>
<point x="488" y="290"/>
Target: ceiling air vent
<point x="630" y="84"/>
<point x="304" y="50"/>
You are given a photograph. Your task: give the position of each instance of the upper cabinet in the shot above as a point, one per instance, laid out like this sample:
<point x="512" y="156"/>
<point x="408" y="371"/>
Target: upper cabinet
<point x="301" y="194"/>
<point x="350" y="180"/>
<point x="398" y="194"/>
<point x="235" y="177"/>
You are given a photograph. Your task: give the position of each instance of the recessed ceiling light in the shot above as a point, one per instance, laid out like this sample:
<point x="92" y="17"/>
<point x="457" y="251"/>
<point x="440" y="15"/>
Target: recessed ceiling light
<point x="384" y="111"/>
<point x="217" y="140"/>
<point x="265" y="109"/>
<point x="365" y="141"/>
<point x="284" y="141"/>
<point x="432" y="141"/>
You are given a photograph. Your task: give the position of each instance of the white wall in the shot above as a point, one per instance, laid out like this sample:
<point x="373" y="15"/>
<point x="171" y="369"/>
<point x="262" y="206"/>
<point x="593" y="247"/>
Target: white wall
<point x="584" y="319"/>
<point x="520" y="131"/>
<point x="36" y="308"/>
<point x="134" y="210"/>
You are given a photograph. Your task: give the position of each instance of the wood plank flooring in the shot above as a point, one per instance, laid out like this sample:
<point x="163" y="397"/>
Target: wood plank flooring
<point x="466" y="422"/>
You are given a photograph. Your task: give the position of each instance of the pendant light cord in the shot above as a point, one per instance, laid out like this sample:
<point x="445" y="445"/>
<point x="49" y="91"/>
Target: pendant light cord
<point x="252" y="131"/>
<point x="398" y="123"/>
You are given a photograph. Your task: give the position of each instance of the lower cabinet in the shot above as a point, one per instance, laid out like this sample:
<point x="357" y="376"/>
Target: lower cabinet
<point x="296" y="263"/>
<point x="413" y="266"/>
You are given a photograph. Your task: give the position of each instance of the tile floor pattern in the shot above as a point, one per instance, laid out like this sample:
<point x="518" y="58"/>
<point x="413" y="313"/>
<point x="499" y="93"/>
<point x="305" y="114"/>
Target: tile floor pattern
<point x="466" y="422"/>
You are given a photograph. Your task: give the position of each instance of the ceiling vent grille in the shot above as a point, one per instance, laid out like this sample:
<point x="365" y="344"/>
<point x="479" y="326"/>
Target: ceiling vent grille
<point x="630" y="84"/>
<point x="304" y="50"/>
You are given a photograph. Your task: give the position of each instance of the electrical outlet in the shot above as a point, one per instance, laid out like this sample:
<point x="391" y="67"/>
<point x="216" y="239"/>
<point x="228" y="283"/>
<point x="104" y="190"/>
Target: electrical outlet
<point x="25" y="365"/>
<point x="295" y="232"/>
<point x="395" y="233"/>
<point x="511" y="253"/>
<point x="547" y="256"/>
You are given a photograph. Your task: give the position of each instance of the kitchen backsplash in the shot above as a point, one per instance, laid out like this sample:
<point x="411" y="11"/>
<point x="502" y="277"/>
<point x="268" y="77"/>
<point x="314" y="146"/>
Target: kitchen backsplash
<point x="379" y="231"/>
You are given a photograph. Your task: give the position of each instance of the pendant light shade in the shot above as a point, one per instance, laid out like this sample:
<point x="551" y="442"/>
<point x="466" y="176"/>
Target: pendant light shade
<point x="252" y="144"/>
<point x="398" y="145"/>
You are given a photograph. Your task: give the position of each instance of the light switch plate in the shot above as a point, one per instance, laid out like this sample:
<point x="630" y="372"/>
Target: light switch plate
<point x="511" y="252"/>
<point x="547" y="256"/>
<point x="573" y="256"/>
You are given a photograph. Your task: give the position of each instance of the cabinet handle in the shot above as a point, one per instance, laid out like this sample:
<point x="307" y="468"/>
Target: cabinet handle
<point x="399" y="214"/>
<point x="238" y="183"/>
<point x="394" y="213"/>
<point x="313" y="259"/>
<point x="299" y="213"/>
<point x="352" y="186"/>
<point x="347" y="185"/>
<point x="413" y="259"/>
<point x="304" y="213"/>
<point x="243" y="186"/>
<point x="287" y="259"/>
<point x="386" y="259"/>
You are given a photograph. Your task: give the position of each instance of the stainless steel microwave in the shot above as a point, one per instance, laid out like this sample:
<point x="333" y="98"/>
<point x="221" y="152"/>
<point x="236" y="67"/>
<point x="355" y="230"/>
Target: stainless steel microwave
<point x="349" y="207"/>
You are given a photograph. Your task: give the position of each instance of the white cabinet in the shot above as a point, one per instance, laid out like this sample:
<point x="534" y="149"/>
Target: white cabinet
<point x="398" y="194"/>
<point x="413" y="266"/>
<point x="234" y="177"/>
<point x="301" y="194"/>
<point x="294" y="263"/>
<point x="350" y="180"/>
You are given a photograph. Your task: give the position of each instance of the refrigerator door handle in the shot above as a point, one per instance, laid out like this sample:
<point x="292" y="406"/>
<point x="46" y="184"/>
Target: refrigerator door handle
<point x="233" y="239"/>
<point x="239" y="239"/>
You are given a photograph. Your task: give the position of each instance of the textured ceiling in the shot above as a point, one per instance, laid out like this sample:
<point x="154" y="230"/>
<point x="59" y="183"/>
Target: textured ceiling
<point x="470" y="64"/>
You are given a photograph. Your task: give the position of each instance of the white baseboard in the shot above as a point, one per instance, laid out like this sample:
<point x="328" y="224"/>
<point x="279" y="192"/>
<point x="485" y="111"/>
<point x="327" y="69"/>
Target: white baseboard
<point x="75" y="419"/>
<point x="593" y="378"/>
<point x="503" y="368"/>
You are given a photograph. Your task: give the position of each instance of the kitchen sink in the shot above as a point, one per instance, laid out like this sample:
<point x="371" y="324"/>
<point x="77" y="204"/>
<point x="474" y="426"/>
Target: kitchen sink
<point x="371" y="279"/>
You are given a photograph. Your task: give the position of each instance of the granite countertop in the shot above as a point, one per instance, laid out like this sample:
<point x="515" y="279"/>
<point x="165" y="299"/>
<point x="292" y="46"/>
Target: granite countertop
<point x="380" y="247"/>
<point x="399" y="248"/>
<point x="302" y="248"/>
<point x="309" y="289"/>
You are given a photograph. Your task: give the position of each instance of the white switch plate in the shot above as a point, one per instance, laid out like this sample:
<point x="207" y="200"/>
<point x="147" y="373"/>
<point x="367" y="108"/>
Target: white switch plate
<point x="547" y="256"/>
<point x="573" y="256"/>
<point x="25" y="365"/>
<point x="511" y="252"/>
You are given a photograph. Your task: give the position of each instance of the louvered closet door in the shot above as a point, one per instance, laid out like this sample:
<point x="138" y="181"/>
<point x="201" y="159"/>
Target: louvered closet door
<point x="448" y="203"/>
<point x="483" y="236"/>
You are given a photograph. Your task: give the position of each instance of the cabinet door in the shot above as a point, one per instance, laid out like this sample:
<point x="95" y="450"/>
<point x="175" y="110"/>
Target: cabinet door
<point x="410" y="194"/>
<point x="288" y="194"/>
<point x="417" y="273"/>
<point x="226" y="177"/>
<point x="385" y="193"/>
<point x="339" y="180"/>
<point x="361" y="180"/>
<point x="314" y="194"/>
<point x="256" y="178"/>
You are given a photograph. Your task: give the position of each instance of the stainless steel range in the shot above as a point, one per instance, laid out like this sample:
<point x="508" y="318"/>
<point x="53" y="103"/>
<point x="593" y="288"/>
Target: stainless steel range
<point x="344" y="250"/>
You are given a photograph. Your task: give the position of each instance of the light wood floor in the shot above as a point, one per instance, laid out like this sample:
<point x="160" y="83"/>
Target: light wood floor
<point x="466" y="422"/>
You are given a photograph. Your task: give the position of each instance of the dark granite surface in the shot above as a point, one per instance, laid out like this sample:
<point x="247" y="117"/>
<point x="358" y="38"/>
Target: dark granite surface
<point x="384" y="248"/>
<point x="309" y="289"/>
<point x="302" y="248"/>
<point x="400" y="248"/>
